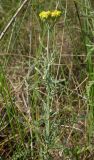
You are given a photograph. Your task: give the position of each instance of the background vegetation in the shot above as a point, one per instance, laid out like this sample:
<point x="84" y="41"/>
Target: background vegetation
<point x="47" y="81"/>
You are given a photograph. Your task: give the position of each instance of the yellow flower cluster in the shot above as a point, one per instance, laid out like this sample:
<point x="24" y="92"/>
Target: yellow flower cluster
<point x="44" y="15"/>
<point x="55" y="13"/>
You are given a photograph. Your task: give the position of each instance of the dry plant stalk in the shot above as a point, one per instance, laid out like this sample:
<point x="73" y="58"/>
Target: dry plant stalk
<point x="12" y="19"/>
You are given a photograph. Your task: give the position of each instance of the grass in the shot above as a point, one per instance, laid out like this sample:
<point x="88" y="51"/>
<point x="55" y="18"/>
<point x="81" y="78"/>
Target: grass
<point x="47" y="81"/>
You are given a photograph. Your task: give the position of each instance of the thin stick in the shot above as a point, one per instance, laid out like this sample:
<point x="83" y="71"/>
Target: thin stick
<point x="12" y="19"/>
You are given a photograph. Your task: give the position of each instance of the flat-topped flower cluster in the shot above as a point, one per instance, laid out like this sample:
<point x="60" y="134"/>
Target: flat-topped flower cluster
<point x="44" y="15"/>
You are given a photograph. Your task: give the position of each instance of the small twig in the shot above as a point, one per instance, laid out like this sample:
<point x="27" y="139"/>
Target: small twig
<point x="72" y="127"/>
<point x="12" y="19"/>
<point x="81" y="83"/>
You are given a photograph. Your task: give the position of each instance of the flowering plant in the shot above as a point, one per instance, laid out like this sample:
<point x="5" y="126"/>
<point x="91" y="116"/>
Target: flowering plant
<point x="44" y="15"/>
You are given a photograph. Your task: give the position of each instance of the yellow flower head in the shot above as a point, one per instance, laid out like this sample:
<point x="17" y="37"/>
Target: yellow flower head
<point x="55" y="13"/>
<point x="44" y="15"/>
